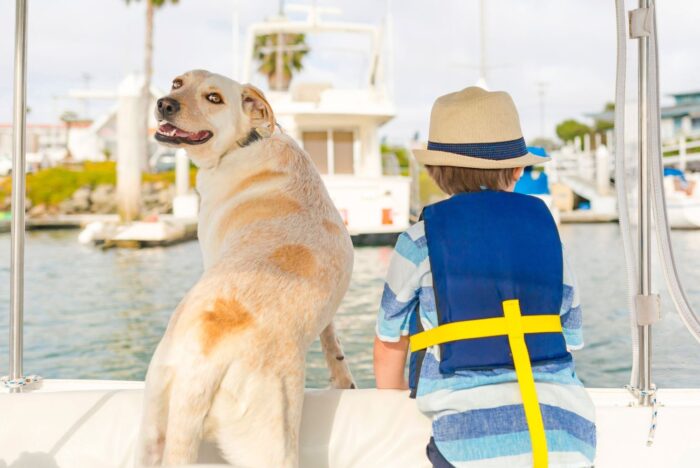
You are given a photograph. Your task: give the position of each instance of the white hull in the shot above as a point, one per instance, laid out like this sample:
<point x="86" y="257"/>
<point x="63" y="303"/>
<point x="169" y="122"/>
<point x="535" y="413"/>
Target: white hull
<point x="79" y="424"/>
<point x="683" y="209"/>
<point x="684" y="214"/>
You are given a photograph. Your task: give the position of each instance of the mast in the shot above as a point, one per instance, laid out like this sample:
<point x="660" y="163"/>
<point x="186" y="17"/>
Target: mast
<point x="482" y="45"/>
<point x="236" y="27"/>
<point x="19" y="128"/>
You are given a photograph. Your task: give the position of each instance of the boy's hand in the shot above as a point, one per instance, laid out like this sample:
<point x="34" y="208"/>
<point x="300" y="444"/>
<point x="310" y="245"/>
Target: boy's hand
<point x="389" y="363"/>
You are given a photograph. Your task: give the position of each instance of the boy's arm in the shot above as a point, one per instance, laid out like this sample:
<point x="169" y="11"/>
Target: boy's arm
<point x="571" y="316"/>
<point x="390" y="362"/>
<point x="399" y="303"/>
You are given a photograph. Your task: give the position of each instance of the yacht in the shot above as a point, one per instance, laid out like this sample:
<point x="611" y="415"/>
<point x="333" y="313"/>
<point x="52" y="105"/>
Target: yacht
<point x="336" y="119"/>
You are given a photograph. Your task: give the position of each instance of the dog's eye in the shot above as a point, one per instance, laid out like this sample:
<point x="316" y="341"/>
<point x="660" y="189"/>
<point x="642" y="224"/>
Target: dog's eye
<point x="215" y="98"/>
<point x="177" y="83"/>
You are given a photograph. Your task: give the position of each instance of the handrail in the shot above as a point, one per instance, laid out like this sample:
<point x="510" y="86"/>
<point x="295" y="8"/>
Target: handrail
<point x="19" y="127"/>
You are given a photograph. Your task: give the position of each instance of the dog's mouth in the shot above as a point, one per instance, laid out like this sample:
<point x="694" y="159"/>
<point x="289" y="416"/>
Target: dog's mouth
<point x="169" y="133"/>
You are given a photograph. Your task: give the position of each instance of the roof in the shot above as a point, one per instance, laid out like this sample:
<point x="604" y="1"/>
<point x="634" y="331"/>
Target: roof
<point x="686" y="93"/>
<point x="679" y="110"/>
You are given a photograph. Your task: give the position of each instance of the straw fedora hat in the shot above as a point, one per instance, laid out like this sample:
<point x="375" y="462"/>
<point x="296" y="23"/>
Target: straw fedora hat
<point x="476" y="128"/>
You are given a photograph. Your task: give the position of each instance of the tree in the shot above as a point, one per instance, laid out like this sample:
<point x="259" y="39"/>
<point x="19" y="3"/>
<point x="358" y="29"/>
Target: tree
<point x="151" y="5"/>
<point x="570" y="129"/>
<point x="280" y="50"/>
<point x="602" y="126"/>
<point x="134" y="167"/>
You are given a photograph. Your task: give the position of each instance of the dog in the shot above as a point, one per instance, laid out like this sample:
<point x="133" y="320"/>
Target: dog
<point x="277" y="262"/>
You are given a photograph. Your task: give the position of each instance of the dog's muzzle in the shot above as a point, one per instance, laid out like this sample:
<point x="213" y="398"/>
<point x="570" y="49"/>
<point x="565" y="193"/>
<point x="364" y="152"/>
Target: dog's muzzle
<point x="166" y="107"/>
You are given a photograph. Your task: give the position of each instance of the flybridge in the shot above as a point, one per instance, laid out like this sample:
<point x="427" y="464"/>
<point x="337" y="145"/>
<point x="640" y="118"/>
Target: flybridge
<point x="378" y="37"/>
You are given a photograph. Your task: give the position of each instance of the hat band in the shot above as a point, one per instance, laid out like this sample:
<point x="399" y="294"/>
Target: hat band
<point x="497" y="151"/>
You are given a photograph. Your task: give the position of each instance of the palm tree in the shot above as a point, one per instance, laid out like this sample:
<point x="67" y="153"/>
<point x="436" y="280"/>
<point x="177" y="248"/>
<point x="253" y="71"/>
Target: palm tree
<point x="134" y="169"/>
<point x="151" y="5"/>
<point x="280" y="56"/>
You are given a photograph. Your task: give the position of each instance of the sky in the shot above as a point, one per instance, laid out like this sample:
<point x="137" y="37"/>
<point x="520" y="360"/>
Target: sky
<point x="567" y="45"/>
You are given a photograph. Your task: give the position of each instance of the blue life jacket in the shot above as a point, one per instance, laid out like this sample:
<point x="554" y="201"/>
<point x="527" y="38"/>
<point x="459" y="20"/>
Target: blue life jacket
<point x="486" y="248"/>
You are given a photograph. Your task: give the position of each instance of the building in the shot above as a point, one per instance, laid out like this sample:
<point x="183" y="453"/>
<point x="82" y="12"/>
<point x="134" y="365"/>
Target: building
<point x="682" y="118"/>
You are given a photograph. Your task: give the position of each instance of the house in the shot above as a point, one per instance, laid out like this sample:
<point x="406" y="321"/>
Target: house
<point x="682" y="118"/>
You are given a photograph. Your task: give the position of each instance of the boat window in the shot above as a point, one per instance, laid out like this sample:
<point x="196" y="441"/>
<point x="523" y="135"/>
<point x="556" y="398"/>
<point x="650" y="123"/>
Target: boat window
<point x="332" y="151"/>
<point x="316" y="144"/>
<point x="343" y="152"/>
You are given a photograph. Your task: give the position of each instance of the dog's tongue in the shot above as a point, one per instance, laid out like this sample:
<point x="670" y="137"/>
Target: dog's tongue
<point x="172" y="130"/>
<point x="181" y="133"/>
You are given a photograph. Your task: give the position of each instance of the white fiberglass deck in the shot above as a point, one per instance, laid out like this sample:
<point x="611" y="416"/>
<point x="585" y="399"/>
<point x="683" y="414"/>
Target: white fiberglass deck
<point x="79" y="424"/>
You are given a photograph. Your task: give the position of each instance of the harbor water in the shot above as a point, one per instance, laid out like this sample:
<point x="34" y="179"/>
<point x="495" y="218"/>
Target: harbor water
<point x="99" y="314"/>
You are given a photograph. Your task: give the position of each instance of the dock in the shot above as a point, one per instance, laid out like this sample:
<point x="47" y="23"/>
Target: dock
<point x="103" y="230"/>
<point x="76" y="221"/>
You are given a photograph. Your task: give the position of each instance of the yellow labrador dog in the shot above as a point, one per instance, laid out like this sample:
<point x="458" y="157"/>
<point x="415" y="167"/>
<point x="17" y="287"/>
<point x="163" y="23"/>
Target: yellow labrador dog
<point x="277" y="262"/>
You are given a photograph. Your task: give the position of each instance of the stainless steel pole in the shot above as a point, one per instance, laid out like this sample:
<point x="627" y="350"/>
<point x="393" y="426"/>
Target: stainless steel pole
<point x="644" y="331"/>
<point x="19" y="128"/>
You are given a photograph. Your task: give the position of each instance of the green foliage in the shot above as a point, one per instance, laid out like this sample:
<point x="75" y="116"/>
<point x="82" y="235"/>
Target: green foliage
<point x="266" y="54"/>
<point x="429" y="192"/>
<point x="570" y="129"/>
<point x="401" y="154"/>
<point x="602" y="126"/>
<point x="54" y="185"/>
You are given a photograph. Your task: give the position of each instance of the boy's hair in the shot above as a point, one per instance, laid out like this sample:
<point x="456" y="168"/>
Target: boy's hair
<point x="452" y="180"/>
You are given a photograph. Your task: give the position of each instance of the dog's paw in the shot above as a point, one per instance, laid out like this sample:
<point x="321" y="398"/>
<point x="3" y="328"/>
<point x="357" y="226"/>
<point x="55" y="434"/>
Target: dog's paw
<point x="345" y="383"/>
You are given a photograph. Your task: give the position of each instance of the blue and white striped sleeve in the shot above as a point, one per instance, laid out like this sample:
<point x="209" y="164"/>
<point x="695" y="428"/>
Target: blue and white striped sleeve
<point x="400" y="296"/>
<point x="571" y="317"/>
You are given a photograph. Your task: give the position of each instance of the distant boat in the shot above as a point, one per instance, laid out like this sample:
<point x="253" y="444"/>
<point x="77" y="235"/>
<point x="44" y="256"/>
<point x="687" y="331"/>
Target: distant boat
<point x="536" y="183"/>
<point x="682" y="199"/>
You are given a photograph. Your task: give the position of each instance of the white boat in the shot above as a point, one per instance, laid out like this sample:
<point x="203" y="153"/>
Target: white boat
<point x="682" y="199"/>
<point x="81" y="424"/>
<point x="536" y="183"/>
<point x="338" y="124"/>
<point x="85" y="424"/>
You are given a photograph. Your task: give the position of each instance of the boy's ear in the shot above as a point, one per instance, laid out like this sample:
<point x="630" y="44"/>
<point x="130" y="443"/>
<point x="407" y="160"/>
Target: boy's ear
<point x="258" y="110"/>
<point x="517" y="173"/>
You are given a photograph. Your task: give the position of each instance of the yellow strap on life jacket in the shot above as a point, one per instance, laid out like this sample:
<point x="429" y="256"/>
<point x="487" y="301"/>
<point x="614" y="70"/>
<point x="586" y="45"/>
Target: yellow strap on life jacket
<point x="515" y="326"/>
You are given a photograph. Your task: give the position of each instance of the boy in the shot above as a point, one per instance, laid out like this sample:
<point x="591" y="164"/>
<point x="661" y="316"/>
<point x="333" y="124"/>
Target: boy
<point x="481" y="292"/>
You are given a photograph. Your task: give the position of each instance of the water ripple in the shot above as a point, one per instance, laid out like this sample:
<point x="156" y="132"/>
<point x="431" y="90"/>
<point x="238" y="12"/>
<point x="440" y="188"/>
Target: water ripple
<point x="94" y="314"/>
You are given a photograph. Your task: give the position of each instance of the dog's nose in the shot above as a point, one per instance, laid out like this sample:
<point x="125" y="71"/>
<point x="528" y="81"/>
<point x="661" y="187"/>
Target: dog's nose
<point x="167" y="107"/>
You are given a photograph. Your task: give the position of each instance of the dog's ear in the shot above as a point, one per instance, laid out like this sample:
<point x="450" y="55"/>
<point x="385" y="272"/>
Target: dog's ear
<point x="257" y="108"/>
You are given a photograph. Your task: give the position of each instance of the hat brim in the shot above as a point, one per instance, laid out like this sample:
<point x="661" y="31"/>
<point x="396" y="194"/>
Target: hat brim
<point x="444" y="158"/>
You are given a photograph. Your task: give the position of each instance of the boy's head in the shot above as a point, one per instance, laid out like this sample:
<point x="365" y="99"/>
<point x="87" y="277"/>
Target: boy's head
<point x="452" y="180"/>
<point x="475" y="141"/>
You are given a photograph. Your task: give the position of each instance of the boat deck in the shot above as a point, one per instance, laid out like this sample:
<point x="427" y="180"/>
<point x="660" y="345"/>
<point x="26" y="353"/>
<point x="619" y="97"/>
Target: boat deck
<point x="94" y="423"/>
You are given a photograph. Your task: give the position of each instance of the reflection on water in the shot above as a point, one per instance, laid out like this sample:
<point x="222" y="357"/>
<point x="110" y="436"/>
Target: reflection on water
<point x="94" y="314"/>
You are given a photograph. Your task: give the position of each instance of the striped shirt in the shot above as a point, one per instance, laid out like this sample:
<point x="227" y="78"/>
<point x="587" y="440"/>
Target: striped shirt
<point x="478" y="418"/>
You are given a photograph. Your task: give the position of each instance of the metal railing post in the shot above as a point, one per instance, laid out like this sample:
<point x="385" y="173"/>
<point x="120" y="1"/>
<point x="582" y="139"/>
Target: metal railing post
<point x="644" y="331"/>
<point x="19" y="125"/>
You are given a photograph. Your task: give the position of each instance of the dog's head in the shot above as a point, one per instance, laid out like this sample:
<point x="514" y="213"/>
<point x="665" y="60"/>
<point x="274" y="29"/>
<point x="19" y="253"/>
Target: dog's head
<point x="211" y="115"/>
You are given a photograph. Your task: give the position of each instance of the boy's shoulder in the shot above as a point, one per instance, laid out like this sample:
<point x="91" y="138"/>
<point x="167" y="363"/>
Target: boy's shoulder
<point x="416" y="233"/>
<point x="412" y="244"/>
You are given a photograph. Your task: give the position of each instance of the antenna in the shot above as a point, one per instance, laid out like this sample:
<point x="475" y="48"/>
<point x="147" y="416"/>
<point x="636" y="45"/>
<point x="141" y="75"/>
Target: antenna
<point x="541" y="91"/>
<point x="87" y="78"/>
<point x="389" y="33"/>
<point x="236" y="39"/>
<point x="482" y="45"/>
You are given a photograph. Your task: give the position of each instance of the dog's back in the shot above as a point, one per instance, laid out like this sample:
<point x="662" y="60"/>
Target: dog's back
<point x="272" y="230"/>
<point x="278" y="261"/>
